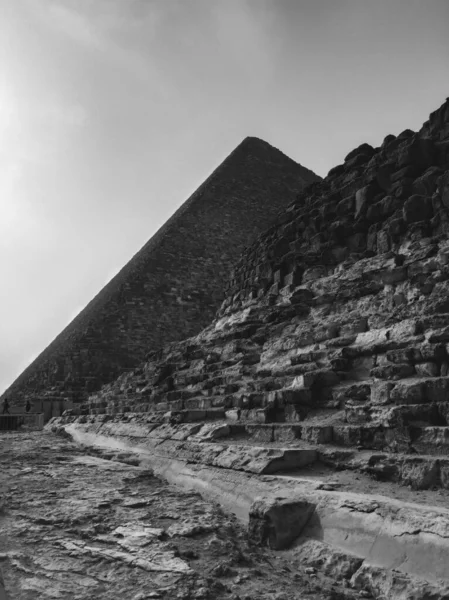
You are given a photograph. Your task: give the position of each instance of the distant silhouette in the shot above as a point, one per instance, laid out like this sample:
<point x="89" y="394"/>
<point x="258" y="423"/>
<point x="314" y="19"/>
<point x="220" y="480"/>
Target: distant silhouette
<point x="28" y="406"/>
<point x="6" y="407"/>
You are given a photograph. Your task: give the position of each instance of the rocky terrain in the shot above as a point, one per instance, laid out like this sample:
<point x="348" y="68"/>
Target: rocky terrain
<point x="315" y="406"/>
<point x="82" y="524"/>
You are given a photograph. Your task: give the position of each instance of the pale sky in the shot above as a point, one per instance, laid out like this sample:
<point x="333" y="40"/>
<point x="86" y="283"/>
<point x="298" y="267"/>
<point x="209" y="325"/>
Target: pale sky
<point x="113" y="111"/>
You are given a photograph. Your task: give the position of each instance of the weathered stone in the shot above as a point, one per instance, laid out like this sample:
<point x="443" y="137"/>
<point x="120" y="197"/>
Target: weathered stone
<point x="332" y="331"/>
<point x="420" y="152"/>
<point x="394" y="372"/>
<point x="417" y="208"/>
<point x="427" y="369"/>
<point x="408" y="393"/>
<point x="380" y="392"/>
<point x="278" y="522"/>
<point x="331" y="562"/>
<point x="363" y="197"/>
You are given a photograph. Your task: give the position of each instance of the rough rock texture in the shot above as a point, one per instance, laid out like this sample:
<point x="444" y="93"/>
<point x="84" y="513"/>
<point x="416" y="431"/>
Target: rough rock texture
<point x="173" y="286"/>
<point x="333" y="340"/>
<point x="92" y="525"/>
<point x="336" y="320"/>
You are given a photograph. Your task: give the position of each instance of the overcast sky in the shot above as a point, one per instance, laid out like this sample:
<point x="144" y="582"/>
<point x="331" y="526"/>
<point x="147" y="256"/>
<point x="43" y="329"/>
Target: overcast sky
<point x="113" y="111"/>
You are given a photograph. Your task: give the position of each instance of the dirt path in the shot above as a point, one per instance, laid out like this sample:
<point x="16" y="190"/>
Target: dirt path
<point x="79" y="526"/>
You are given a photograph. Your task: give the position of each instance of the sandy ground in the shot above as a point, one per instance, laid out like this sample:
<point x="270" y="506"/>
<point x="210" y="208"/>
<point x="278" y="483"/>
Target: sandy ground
<point x="81" y="525"/>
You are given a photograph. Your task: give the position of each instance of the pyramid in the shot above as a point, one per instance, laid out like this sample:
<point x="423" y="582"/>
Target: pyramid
<point x="172" y="287"/>
<point x="315" y="406"/>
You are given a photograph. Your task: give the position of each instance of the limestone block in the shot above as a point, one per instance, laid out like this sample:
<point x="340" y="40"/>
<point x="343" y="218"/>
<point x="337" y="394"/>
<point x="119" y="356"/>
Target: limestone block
<point x="420" y="473"/>
<point x="417" y="208"/>
<point x="365" y="150"/>
<point x="330" y="562"/>
<point x="407" y="172"/>
<point x="432" y="352"/>
<point x="394" y="276"/>
<point x="440" y="335"/>
<point x="380" y="393"/>
<point x="346" y="206"/>
<point x="403" y="355"/>
<point x="295" y="413"/>
<point x="316" y="434"/>
<point x="393" y="372"/>
<point x="383" y="242"/>
<point x="427" y="369"/>
<point x="437" y="390"/>
<point x="361" y="367"/>
<point x="355" y="392"/>
<point x="363" y="197"/>
<point x="431" y="440"/>
<point x="347" y="436"/>
<point x="411" y="392"/>
<point x="297" y="395"/>
<point x="420" y="152"/>
<point x="393" y="584"/>
<point x="357" y="413"/>
<point x="277" y="522"/>
<point x="426" y="185"/>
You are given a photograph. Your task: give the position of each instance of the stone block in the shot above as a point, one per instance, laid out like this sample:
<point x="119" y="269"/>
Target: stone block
<point x="409" y="393"/>
<point x="417" y="208"/>
<point x="393" y="372"/>
<point x="276" y="523"/>
<point x="316" y="434"/>
<point x="427" y="369"/>
<point x="437" y="390"/>
<point x="383" y="242"/>
<point x="363" y="197"/>
<point x="355" y="392"/>
<point x="419" y="473"/>
<point x="441" y="335"/>
<point x="289" y="396"/>
<point x="426" y="185"/>
<point x="420" y="152"/>
<point x="432" y="352"/>
<point x="285" y="433"/>
<point x="356" y="413"/>
<point x="380" y="393"/>
<point x="394" y="276"/>
<point x="295" y="413"/>
<point x="365" y="150"/>
<point x="330" y="562"/>
<point x="346" y="206"/>
<point x="294" y="278"/>
<point x="403" y="355"/>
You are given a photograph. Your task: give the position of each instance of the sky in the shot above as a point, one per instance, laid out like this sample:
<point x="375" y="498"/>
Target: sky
<point x="112" y="112"/>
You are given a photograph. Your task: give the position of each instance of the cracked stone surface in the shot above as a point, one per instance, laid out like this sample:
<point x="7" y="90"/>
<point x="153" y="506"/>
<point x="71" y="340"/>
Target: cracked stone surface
<point x="79" y="526"/>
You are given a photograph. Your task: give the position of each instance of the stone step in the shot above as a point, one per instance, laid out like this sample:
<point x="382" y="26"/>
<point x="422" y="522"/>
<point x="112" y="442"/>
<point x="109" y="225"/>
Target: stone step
<point x="426" y="440"/>
<point x="285" y="432"/>
<point x="419" y="472"/>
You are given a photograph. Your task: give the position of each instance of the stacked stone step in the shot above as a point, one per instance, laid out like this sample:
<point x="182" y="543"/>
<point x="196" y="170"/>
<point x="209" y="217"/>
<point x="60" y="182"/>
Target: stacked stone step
<point x="335" y="330"/>
<point x="368" y="205"/>
<point x="311" y="377"/>
<point x="200" y="384"/>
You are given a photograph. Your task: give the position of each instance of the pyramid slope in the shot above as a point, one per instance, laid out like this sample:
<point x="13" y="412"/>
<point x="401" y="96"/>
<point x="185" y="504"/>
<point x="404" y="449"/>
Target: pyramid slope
<point x="316" y="404"/>
<point x="172" y="287"/>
